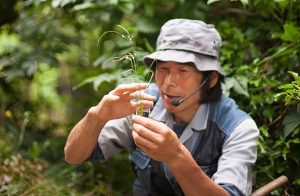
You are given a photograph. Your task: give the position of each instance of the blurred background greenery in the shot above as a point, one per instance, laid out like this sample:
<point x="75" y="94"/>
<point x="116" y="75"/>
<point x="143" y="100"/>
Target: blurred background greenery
<point x="53" y="67"/>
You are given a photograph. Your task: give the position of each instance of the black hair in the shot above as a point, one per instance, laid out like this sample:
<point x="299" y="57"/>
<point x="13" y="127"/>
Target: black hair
<point x="214" y="93"/>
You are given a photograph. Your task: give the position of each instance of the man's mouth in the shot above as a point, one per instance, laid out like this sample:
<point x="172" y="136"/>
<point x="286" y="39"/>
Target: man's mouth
<point x="170" y="97"/>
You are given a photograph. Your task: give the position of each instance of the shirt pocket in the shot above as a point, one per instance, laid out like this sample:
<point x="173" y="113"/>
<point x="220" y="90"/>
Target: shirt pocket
<point x="140" y="159"/>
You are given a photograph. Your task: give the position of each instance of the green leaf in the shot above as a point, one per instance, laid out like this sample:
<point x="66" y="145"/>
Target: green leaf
<point x="287" y="99"/>
<point x="98" y="80"/>
<point x="146" y="25"/>
<point x="290" y="123"/>
<point x="34" y="150"/>
<point x="244" y="2"/>
<point x="99" y="61"/>
<point x="297" y="182"/>
<point x="107" y="77"/>
<point x="294" y="74"/>
<point x="83" y="6"/>
<point x="278" y="96"/>
<point x="291" y="33"/>
<point x="286" y="86"/>
<point x="8" y="42"/>
<point x="240" y="86"/>
<point x="211" y="1"/>
<point x="61" y="3"/>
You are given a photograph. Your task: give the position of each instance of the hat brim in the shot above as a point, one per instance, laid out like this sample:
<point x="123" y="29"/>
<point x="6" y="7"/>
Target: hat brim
<point x="202" y="62"/>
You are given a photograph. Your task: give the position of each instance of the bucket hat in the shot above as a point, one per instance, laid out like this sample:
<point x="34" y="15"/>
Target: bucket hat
<point x="188" y="41"/>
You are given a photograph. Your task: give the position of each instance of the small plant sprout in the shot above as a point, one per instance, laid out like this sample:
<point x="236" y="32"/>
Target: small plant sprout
<point x="126" y="36"/>
<point x="130" y="75"/>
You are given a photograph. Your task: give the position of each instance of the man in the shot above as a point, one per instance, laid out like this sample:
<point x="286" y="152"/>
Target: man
<point x="195" y="140"/>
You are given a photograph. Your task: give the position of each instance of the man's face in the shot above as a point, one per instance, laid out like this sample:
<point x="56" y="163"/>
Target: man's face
<point x="176" y="80"/>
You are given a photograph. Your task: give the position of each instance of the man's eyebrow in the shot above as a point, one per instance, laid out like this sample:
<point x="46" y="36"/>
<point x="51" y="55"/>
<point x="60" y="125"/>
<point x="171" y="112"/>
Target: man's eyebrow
<point x="188" y="63"/>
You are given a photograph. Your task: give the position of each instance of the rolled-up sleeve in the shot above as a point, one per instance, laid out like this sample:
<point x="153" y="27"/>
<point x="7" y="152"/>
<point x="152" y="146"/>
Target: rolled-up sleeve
<point x="232" y="190"/>
<point x="114" y="137"/>
<point x="238" y="157"/>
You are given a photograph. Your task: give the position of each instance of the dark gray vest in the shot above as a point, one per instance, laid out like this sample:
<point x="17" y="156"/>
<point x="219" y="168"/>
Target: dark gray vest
<point x="205" y="146"/>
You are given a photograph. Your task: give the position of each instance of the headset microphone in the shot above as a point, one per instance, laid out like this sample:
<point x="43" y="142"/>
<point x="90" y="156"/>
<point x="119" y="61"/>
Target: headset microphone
<point x="177" y="102"/>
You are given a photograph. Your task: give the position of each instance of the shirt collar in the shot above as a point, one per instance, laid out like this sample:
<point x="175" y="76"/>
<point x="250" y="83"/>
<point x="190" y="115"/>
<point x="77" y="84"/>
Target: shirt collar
<point x="159" y="113"/>
<point x="198" y="123"/>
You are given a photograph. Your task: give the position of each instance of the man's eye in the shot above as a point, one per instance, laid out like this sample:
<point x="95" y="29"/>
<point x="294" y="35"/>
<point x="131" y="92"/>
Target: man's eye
<point x="184" y="70"/>
<point x="163" y="68"/>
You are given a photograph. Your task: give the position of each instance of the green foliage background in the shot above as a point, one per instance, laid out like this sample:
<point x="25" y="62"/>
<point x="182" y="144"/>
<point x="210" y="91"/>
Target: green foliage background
<point x="53" y="68"/>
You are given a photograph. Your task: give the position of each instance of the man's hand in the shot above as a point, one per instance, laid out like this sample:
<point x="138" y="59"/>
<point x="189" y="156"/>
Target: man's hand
<point x="118" y="103"/>
<point x="156" y="139"/>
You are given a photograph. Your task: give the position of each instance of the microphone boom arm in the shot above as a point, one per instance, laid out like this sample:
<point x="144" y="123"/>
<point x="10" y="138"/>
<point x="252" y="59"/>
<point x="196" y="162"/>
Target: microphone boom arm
<point x="177" y="102"/>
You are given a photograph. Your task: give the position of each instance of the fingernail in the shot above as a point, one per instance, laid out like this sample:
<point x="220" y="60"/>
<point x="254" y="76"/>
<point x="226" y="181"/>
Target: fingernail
<point x="133" y="117"/>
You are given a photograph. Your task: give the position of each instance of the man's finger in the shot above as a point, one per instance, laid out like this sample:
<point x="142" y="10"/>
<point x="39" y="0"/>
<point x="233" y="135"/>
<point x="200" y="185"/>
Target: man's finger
<point x="149" y="123"/>
<point x="146" y="133"/>
<point x="129" y="88"/>
<point x="141" y="141"/>
<point x="142" y="96"/>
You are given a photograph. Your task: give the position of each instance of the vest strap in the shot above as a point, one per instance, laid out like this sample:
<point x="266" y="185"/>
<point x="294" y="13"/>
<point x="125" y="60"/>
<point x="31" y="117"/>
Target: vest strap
<point x="144" y="177"/>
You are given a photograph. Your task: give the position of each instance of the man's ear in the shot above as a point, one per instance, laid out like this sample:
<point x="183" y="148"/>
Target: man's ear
<point x="213" y="79"/>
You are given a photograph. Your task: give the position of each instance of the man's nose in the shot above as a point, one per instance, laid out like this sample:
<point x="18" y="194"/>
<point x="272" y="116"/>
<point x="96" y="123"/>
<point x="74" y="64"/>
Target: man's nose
<point x="171" y="79"/>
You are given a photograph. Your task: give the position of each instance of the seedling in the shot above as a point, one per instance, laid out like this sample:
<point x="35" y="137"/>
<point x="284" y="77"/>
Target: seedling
<point x="131" y="75"/>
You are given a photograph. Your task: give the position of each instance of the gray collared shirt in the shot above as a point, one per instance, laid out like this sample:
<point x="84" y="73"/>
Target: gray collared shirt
<point x="238" y="150"/>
